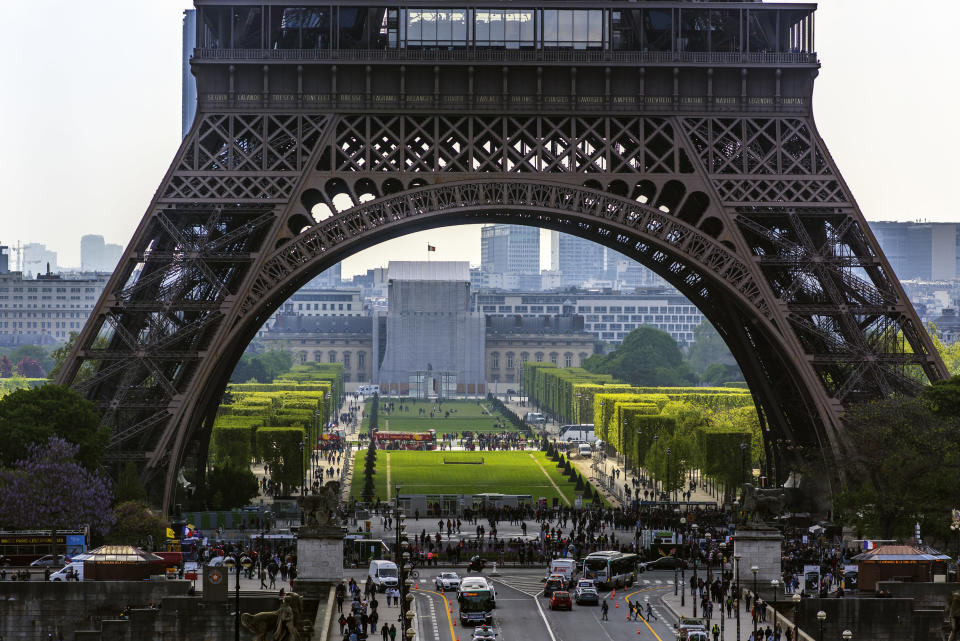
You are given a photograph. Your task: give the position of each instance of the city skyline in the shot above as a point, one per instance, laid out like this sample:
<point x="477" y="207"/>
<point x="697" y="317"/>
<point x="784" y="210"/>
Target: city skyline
<point x="118" y="124"/>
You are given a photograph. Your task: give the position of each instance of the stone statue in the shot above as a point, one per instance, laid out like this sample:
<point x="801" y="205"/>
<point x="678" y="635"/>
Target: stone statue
<point x="320" y="508"/>
<point x="763" y="505"/>
<point x="284" y="622"/>
<point x="952" y="614"/>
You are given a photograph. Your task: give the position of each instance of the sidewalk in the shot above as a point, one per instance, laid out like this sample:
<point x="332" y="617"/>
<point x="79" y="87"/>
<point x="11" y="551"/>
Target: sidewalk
<point x="728" y="625"/>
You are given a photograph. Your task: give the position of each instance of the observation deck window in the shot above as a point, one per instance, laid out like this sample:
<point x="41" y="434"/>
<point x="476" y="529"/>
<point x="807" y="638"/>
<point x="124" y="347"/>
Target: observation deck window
<point x="299" y="28"/>
<point x="577" y="28"/>
<point x="659" y="30"/>
<point x="509" y="28"/>
<point x="247" y="28"/>
<point x="431" y="28"/>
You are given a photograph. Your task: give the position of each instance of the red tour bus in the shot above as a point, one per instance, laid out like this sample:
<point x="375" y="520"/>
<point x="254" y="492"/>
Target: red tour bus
<point x="406" y="440"/>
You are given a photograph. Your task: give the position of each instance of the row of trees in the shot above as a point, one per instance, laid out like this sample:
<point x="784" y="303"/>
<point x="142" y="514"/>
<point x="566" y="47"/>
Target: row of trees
<point x="28" y="361"/>
<point x="667" y="430"/>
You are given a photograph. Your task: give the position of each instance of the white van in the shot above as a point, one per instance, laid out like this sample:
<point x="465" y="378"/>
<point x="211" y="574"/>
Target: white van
<point x="565" y="567"/>
<point x="535" y="418"/>
<point x="585" y="450"/>
<point x="68" y="572"/>
<point x="384" y="574"/>
<point x="583" y="433"/>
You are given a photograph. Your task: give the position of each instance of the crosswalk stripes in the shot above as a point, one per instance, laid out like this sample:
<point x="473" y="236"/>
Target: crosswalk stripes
<point x="529" y="585"/>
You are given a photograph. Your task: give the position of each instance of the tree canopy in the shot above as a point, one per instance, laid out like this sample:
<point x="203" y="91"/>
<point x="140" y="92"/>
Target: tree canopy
<point x="904" y="467"/>
<point x="31" y="416"/>
<point x="49" y="489"/>
<point x="647" y="356"/>
<point x="262" y="368"/>
<point x="708" y="348"/>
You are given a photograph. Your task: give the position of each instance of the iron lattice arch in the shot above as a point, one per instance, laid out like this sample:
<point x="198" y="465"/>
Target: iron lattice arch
<point x="745" y="214"/>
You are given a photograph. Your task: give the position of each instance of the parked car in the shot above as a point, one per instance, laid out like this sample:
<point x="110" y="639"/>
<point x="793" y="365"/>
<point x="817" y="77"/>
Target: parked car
<point x="664" y="563"/>
<point x="560" y="600"/>
<point x="586" y="595"/>
<point x="448" y="581"/>
<point x="50" y="561"/>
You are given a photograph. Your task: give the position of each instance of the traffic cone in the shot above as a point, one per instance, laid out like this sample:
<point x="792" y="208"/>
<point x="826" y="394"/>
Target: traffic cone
<point x="616" y="604"/>
<point x="639" y="631"/>
<point x="613" y="594"/>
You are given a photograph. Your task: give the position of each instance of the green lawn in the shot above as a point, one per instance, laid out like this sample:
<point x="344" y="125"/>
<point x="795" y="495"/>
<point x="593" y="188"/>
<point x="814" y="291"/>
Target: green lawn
<point x="501" y="472"/>
<point x="464" y="416"/>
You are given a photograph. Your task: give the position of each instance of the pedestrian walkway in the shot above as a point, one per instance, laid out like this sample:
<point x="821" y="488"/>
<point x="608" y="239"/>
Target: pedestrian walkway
<point x="683" y="606"/>
<point x="609" y="474"/>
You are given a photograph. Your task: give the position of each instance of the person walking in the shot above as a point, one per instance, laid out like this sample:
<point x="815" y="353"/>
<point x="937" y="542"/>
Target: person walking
<point x="604" y="609"/>
<point x="393" y="632"/>
<point x="716" y="632"/>
<point x="385" y="632"/>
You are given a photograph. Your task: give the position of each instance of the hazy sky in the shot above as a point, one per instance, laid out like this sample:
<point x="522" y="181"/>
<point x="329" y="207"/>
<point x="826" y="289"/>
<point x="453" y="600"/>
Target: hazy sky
<point x="90" y="117"/>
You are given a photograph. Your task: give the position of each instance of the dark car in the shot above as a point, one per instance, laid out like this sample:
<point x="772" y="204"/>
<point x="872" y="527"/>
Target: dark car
<point x="664" y="563"/>
<point x="560" y="600"/>
<point x="586" y="595"/>
<point x="554" y="583"/>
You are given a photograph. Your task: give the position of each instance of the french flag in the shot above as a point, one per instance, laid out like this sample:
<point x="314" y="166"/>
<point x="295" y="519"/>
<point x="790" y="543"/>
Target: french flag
<point x="869" y="545"/>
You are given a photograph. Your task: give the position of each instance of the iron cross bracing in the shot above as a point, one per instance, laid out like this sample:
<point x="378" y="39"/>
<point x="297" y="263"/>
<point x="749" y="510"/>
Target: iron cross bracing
<point x="677" y="133"/>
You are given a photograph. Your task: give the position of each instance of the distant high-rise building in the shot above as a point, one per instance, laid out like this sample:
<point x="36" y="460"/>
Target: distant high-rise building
<point x="37" y="259"/>
<point x="920" y="251"/>
<point x="328" y="279"/>
<point x="188" y="107"/>
<point x="510" y="249"/>
<point x="578" y="260"/>
<point x="97" y="255"/>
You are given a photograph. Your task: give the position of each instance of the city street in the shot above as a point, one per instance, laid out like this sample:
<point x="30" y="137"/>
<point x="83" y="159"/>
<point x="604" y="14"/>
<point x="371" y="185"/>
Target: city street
<point x="522" y="613"/>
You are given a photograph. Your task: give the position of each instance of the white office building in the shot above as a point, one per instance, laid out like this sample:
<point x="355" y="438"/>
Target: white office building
<point x="608" y="316"/>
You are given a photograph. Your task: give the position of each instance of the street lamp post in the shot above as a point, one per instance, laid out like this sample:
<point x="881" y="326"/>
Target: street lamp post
<point x="797" y="598"/>
<point x="303" y="473"/>
<point x="774" y="584"/>
<point x="756" y="610"/>
<point x="669" y="479"/>
<point x="743" y="465"/>
<point x="232" y="563"/>
<point x="694" y="594"/>
<point x="683" y="566"/>
<point x="723" y="569"/>
<point x="821" y="617"/>
<point x="404" y="582"/>
<point x="736" y="563"/>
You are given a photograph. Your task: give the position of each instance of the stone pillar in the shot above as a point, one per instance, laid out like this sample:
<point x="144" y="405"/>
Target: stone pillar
<point x="760" y="546"/>
<point x="319" y="550"/>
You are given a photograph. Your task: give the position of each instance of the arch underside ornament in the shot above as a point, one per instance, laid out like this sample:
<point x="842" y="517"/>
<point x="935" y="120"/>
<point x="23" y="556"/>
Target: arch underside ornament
<point x="747" y="216"/>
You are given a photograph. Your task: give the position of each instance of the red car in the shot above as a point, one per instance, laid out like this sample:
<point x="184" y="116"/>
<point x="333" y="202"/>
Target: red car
<point x="561" y="600"/>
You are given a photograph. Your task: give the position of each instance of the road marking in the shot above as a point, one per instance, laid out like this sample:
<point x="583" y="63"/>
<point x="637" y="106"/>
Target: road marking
<point x="627" y="598"/>
<point x="555" y="486"/>
<point x="388" y="476"/>
<point x="446" y="607"/>
<point x="600" y="625"/>
<point x="542" y="615"/>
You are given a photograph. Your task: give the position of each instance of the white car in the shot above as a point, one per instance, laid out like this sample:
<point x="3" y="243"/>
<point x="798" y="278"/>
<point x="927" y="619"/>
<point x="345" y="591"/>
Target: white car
<point x="448" y="581"/>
